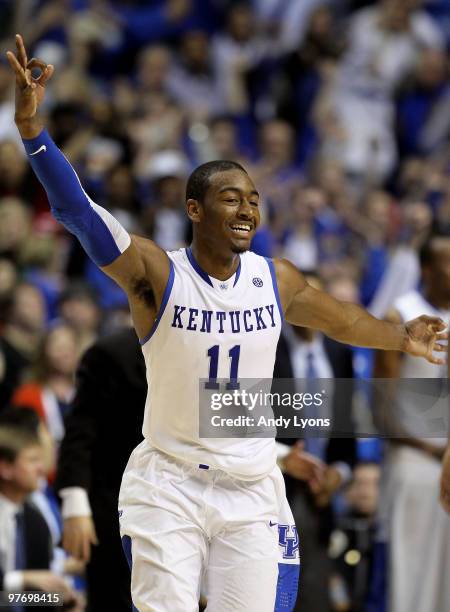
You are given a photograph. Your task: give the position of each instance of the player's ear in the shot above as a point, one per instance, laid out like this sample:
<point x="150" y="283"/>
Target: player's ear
<point x="193" y="210"/>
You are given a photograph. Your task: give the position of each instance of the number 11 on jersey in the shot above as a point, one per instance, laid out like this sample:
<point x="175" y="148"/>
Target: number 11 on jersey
<point x="213" y="354"/>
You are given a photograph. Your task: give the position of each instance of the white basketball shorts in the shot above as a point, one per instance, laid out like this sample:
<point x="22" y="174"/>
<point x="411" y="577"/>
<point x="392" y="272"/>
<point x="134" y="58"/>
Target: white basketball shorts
<point x="190" y="529"/>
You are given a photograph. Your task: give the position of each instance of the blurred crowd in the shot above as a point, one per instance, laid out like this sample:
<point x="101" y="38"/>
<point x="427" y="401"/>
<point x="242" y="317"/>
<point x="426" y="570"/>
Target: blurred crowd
<point x="338" y="109"/>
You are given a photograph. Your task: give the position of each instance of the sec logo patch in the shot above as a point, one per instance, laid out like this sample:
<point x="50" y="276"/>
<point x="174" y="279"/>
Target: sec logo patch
<point x="257" y="282"/>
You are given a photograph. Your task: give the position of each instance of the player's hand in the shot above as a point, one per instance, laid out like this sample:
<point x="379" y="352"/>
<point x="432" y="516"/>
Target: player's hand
<point x="29" y="90"/>
<point x="423" y="336"/>
<point x="78" y="537"/>
<point x="445" y="481"/>
<point x="47" y="581"/>
<point x="303" y="466"/>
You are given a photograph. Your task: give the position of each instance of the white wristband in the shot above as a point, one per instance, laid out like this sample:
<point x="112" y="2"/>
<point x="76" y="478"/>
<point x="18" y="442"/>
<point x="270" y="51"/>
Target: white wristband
<point x="13" y="581"/>
<point x="75" y="502"/>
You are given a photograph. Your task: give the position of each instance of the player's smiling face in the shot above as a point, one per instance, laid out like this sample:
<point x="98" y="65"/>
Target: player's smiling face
<point x="230" y="211"/>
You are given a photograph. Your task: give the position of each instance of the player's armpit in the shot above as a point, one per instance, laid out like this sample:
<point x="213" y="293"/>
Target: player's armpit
<point x="290" y="281"/>
<point x="143" y="259"/>
<point x="143" y="272"/>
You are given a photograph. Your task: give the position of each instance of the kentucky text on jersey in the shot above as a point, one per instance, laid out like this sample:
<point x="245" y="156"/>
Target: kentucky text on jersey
<point x="220" y="321"/>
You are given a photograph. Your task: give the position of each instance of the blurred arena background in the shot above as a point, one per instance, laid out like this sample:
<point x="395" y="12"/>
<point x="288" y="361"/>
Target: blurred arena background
<point x="339" y="110"/>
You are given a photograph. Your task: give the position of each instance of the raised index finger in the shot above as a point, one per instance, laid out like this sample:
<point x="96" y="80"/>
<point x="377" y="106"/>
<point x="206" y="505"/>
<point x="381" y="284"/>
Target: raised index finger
<point x="21" y="53"/>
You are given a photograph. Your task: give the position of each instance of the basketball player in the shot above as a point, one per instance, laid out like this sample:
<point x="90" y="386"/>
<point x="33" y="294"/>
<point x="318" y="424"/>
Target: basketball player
<point x="195" y="509"/>
<point x="445" y="475"/>
<point x="417" y="530"/>
<point x="445" y="481"/>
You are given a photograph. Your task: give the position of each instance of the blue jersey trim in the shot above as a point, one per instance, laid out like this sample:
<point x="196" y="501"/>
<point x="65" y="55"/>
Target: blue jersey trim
<point x="275" y="285"/>
<point x="287" y="587"/>
<point x="126" y="545"/>
<point x="197" y="268"/>
<point x="165" y="299"/>
<point x="203" y="274"/>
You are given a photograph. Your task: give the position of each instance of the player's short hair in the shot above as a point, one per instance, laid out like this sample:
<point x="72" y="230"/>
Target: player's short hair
<point x="198" y="182"/>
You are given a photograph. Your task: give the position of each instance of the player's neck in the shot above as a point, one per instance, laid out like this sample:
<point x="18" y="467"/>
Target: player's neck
<point x="221" y="266"/>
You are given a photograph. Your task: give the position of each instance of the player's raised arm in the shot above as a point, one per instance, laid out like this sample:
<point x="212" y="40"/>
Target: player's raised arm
<point x="346" y="322"/>
<point x="128" y="260"/>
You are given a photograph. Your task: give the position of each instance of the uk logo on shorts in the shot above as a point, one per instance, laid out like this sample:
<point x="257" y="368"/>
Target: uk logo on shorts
<point x="257" y="282"/>
<point x="288" y="539"/>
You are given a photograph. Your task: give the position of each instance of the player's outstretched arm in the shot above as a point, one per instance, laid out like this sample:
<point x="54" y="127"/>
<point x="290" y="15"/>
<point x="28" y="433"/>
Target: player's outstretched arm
<point x="130" y="261"/>
<point x="305" y="306"/>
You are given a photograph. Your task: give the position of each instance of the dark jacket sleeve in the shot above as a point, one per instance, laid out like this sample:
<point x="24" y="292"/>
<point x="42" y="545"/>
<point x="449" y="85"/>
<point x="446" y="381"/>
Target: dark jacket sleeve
<point x="105" y="424"/>
<point x="38" y="542"/>
<point x="93" y="391"/>
<point x="342" y="444"/>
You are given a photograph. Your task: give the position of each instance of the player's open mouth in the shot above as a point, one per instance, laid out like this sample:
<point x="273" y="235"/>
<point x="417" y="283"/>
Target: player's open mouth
<point x="242" y="229"/>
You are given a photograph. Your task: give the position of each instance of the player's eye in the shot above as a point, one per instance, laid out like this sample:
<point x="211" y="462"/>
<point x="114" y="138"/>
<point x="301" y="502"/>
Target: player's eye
<point x="234" y="200"/>
<point x="253" y="203"/>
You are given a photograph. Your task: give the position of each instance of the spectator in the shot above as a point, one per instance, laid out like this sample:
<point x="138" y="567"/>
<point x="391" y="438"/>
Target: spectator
<point x="20" y="337"/>
<point x="383" y="44"/>
<point x="304" y="355"/>
<point x="26" y="419"/>
<point x="79" y="309"/>
<point x="419" y="101"/>
<point x="15" y="227"/>
<point x="8" y="280"/>
<point x="301" y="246"/>
<point x="237" y="52"/>
<point x="6" y="108"/>
<point x="111" y="375"/>
<point x="303" y="73"/>
<point x="192" y="81"/>
<point x="221" y="141"/>
<point x="352" y="541"/>
<point x="50" y="388"/>
<point x="410" y="488"/>
<point x="276" y="173"/>
<point x="25" y="542"/>
<point x="165" y="219"/>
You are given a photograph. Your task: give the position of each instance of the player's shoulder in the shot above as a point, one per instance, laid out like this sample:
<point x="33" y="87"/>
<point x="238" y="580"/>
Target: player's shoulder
<point x="177" y="255"/>
<point x="256" y="263"/>
<point x="250" y="256"/>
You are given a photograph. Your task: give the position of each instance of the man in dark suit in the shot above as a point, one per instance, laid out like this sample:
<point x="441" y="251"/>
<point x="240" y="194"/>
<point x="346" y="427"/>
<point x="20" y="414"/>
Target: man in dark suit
<point x="102" y="430"/>
<point x="25" y="543"/>
<point x="307" y="355"/>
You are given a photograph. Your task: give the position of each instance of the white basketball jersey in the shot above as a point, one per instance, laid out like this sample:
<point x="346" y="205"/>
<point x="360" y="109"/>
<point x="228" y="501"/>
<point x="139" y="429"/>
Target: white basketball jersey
<point x="208" y="329"/>
<point x="410" y="306"/>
